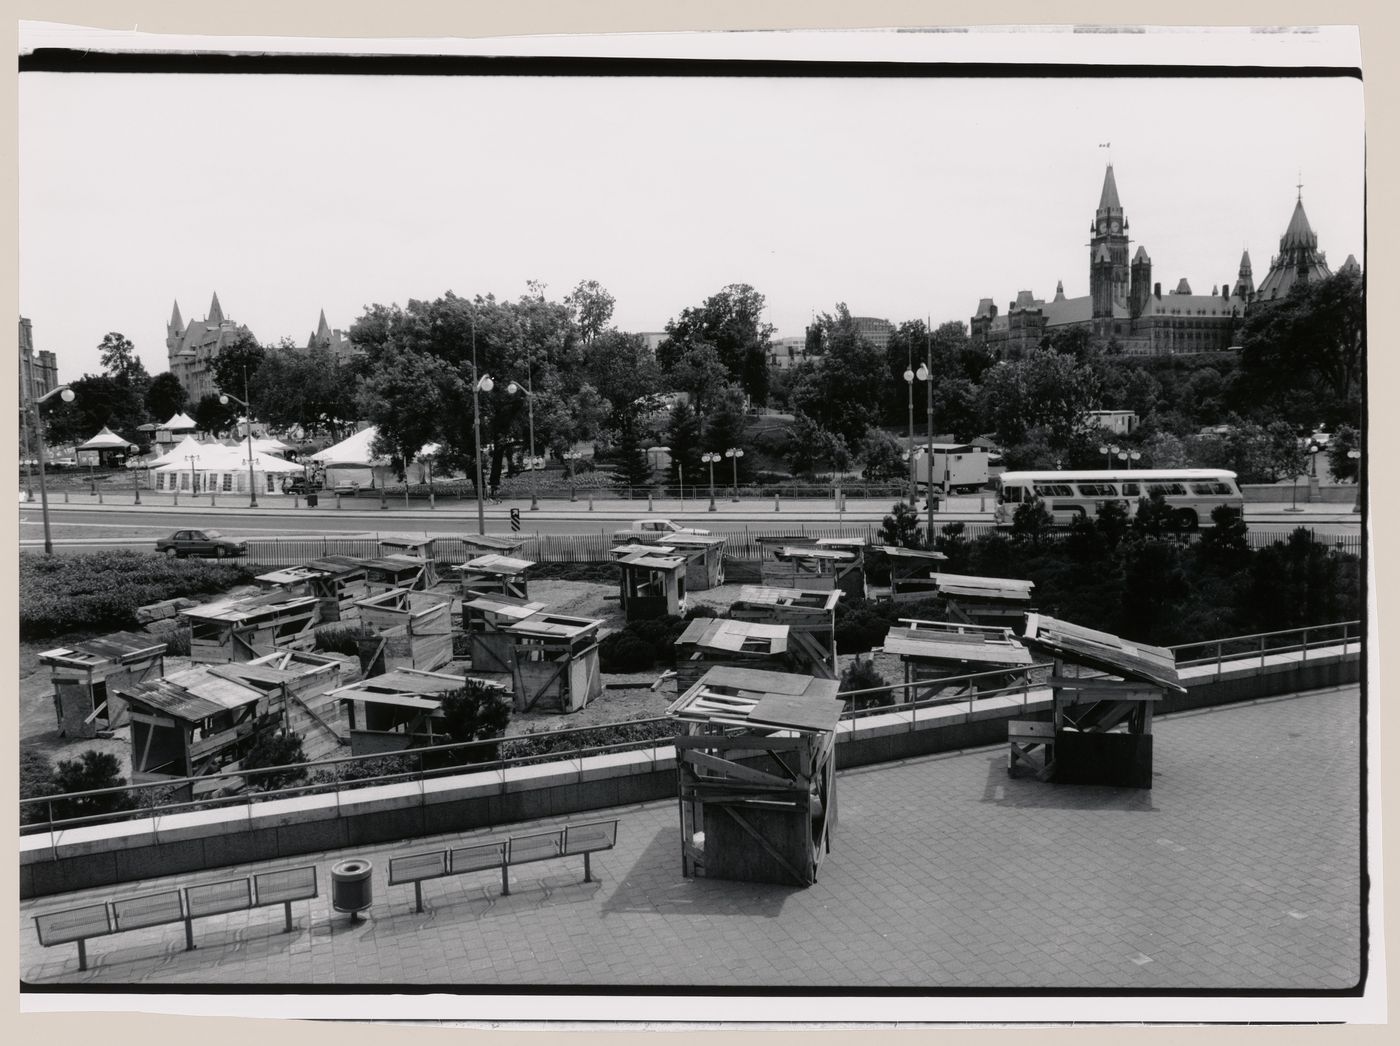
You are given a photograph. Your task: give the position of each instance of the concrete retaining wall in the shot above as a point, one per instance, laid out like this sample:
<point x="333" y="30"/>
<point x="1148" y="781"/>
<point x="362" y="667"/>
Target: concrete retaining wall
<point x="132" y="851"/>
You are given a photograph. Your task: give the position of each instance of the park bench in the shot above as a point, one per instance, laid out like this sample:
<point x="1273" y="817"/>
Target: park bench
<point x="183" y="904"/>
<point x="570" y="841"/>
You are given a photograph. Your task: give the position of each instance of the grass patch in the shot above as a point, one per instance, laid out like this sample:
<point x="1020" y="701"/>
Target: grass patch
<point x="100" y="591"/>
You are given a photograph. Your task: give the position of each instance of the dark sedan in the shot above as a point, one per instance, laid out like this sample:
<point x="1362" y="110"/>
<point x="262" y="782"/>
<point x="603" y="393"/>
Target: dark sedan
<point x="200" y="543"/>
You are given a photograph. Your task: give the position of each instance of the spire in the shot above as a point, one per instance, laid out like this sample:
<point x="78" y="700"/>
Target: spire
<point x="1109" y="197"/>
<point x="216" y="313"/>
<point x="323" y="329"/>
<point x="177" y="323"/>
<point x="1059" y="290"/>
<point x="1299" y="233"/>
<point x="1141" y="256"/>
<point x="1245" y="268"/>
<point x="1350" y="265"/>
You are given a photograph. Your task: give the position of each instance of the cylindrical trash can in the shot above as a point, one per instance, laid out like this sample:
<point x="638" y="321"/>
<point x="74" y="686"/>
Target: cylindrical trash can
<point x="311" y="500"/>
<point x="352" y="889"/>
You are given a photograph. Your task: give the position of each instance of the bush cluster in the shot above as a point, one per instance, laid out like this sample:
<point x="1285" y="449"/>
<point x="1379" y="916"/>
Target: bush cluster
<point x="341" y="638"/>
<point x="549" y="742"/>
<point x="100" y="591"/>
<point x="646" y="644"/>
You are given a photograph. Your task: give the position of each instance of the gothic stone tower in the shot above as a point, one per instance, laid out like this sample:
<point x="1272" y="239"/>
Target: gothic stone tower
<point x="1108" y="259"/>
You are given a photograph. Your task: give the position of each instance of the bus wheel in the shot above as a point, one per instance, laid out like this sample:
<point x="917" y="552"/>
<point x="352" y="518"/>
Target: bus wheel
<point x="1187" y="518"/>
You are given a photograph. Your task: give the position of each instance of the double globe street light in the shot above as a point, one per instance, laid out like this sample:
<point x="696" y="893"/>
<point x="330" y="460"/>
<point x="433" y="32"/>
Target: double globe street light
<point x="709" y="458"/>
<point x="516" y="389"/>
<point x="1113" y="450"/>
<point x="734" y="454"/>
<point x="224" y="398"/>
<point x="909" y="377"/>
<point x="66" y="394"/>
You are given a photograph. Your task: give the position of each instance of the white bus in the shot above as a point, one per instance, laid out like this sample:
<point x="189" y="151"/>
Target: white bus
<point x="1193" y="493"/>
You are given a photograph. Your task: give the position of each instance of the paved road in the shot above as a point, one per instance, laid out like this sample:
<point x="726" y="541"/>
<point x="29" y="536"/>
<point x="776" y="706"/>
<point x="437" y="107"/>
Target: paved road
<point x="1239" y="870"/>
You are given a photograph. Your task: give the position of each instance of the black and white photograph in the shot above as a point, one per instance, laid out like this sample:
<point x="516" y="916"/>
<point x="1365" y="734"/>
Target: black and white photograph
<point x="706" y="527"/>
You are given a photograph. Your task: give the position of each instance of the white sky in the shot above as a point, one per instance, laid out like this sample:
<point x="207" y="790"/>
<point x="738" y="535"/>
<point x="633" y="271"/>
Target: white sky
<point x="903" y="198"/>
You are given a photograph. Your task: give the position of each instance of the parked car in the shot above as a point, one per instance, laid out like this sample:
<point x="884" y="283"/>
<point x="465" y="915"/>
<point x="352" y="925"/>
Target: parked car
<point x="200" y="543"/>
<point x="658" y="525"/>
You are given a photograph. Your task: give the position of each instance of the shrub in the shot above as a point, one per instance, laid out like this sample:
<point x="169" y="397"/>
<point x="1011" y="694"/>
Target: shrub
<point x="90" y="771"/>
<point x="177" y="642"/>
<point x="100" y="591"/>
<point x="625" y="652"/>
<point x="861" y="675"/>
<point x="35" y="782"/>
<point x="341" y="638"/>
<point x="545" y="743"/>
<point x="476" y="712"/>
<point x="275" y="749"/>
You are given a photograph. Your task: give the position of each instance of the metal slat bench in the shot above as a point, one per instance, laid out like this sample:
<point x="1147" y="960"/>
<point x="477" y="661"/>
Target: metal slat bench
<point x="186" y="904"/>
<point x="570" y="841"/>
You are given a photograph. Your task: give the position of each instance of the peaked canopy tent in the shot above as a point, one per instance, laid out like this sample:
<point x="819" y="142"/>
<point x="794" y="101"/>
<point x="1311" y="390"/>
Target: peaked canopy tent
<point x="215" y="468"/>
<point x="104" y="449"/>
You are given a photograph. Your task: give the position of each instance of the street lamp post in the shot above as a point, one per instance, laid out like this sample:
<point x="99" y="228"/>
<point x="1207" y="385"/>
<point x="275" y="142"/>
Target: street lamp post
<point x="515" y="388"/>
<point x="925" y="374"/>
<point x="194" y="476"/>
<point x="734" y="454"/>
<point x="66" y="394"/>
<point x="224" y="397"/>
<point x="909" y="377"/>
<point x="135" y="473"/>
<point x="709" y="459"/>
<point x="1354" y="454"/>
<point x="480" y="383"/>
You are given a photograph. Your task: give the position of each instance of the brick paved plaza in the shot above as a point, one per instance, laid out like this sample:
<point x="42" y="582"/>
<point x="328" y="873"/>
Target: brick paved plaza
<point x="1238" y="870"/>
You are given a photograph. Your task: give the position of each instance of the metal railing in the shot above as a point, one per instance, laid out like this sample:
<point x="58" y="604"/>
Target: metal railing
<point x="1230" y="650"/>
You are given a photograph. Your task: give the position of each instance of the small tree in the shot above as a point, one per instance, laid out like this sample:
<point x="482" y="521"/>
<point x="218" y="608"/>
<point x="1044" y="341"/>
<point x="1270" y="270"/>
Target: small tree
<point x="633" y="470"/>
<point x="1032" y="522"/>
<point x="901" y="527"/>
<point x="1155" y="518"/>
<point x="1225" y="545"/>
<point x="1343" y="468"/>
<point x="476" y="712"/>
<point x="683" y="437"/>
<point x="91" y="771"/>
<point x="881" y="456"/>
<point x="861" y="675"/>
<point x="1112" y="524"/>
<point x="274" y="748"/>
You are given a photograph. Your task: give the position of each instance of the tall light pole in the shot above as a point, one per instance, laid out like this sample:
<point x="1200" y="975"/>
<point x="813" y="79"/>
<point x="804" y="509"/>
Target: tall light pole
<point x="1354" y="454"/>
<point x="480" y="383"/>
<point x="926" y="375"/>
<point x="909" y="382"/>
<point x="709" y="459"/>
<point x="224" y="397"/>
<point x="66" y="394"/>
<point x="514" y="388"/>
<point x="734" y="454"/>
<point x="194" y="476"/>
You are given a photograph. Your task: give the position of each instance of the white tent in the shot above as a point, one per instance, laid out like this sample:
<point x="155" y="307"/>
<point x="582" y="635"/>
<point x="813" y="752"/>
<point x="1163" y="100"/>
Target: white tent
<point x="217" y="468"/>
<point x="357" y="452"/>
<point x="180" y="423"/>
<point x="178" y="453"/>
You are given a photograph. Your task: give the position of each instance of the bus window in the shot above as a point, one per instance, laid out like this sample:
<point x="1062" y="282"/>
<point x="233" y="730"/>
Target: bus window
<point x="1011" y="495"/>
<point x="1130" y="490"/>
<point x="1169" y="489"/>
<point x="1098" y="490"/>
<point x="1211" y="488"/>
<point x="1054" y="490"/>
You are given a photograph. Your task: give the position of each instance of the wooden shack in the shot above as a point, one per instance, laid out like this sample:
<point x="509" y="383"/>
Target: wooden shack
<point x="704" y="559"/>
<point x="194" y="722"/>
<point x="912" y="572"/>
<point x="554" y="662"/>
<point x="935" y="651"/>
<point x="423" y="550"/>
<point x="244" y="629"/>
<point x="397" y="710"/>
<point x="502" y="544"/>
<point x="305" y="681"/>
<point x="411" y="630"/>
<point x="652" y="585"/>
<point x="708" y="642"/>
<point x="1100" y="683"/>
<point x="756" y="780"/>
<point x="337" y="581"/>
<point x="86" y="674"/>
<point x="855" y="583"/>
<point x="810" y="613"/>
<point x="390" y="572"/>
<point x="814" y="568"/>
<point x="984" y="600"/>
<point x="495" y="574"/>
<point x="490" y="647"/>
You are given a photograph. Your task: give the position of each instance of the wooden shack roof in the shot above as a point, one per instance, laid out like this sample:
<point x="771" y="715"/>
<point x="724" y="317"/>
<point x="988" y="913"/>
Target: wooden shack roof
<point x="396" y="565"/>
<point x="798" y="598"/>
<point x="1103" y="650"/>
<point x="560" y="626"/>
<point x="896" y="552"/>
<point x="493" y="542"/>
<point x="113" y="648"/>
<point x="404" y="599"/>
<point x="300" y="662"/>
<point x="984" y="646"/>
<point x="290" y="575"/>
<point x="750" y="697"/>
<point x="504" y="606"/>
<point x="401" y="681"/>
<point x="404" y="541"/>
<point x="633" y="548"/>
<point x="694" y="540"/>
<point x="500" y="566"/>
<point x="735" y="636"/>
<point x="335" y="565"/>
<point x="267" y="604"/>
<point x="850" y="543"/>
<point x="192" y="695"/>
<point x="834" y="555"/>
<point x="650" y="561"/>
<point x="982" y="587"/>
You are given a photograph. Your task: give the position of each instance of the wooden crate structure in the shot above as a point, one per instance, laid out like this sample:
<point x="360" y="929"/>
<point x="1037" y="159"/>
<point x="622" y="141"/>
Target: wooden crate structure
<point x="423" y="549"/>
<point x="555" y="662"/>
<point x="85" y="677"/>
<point x="704" y="559"/>
<point x="708" y="642"/>
<point x="412" y="630"/>
<point x="933" y="651"/>
<point x="244" y="629"/>
<point x="390" y="572"/>
<point x="810" y="613"/>
<point x="337" y="581"/>
<point x="303" y="682"/>
<point x="984" y="600"/>
<point x="911" y="572"/>
<point x="652" y="585"/>
<point x="756" y="775"/>
<point x="495" y="573"/>
<point x="815" y="569"/>
<point x="194" y="722"/>
<point x="852" y="581"/>
<point x="502" y="544"/>
<point x="490" y="647"/>
<point x="1101" y="682"/>
<point x="398" y="710"/>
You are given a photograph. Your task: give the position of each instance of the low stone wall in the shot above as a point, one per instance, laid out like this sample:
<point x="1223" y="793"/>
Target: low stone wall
<point x="132" y="851"/>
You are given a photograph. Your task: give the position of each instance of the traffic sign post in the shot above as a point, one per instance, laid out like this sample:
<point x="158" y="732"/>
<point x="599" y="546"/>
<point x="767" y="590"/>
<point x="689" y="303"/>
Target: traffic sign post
<point x="515" y="519"/>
